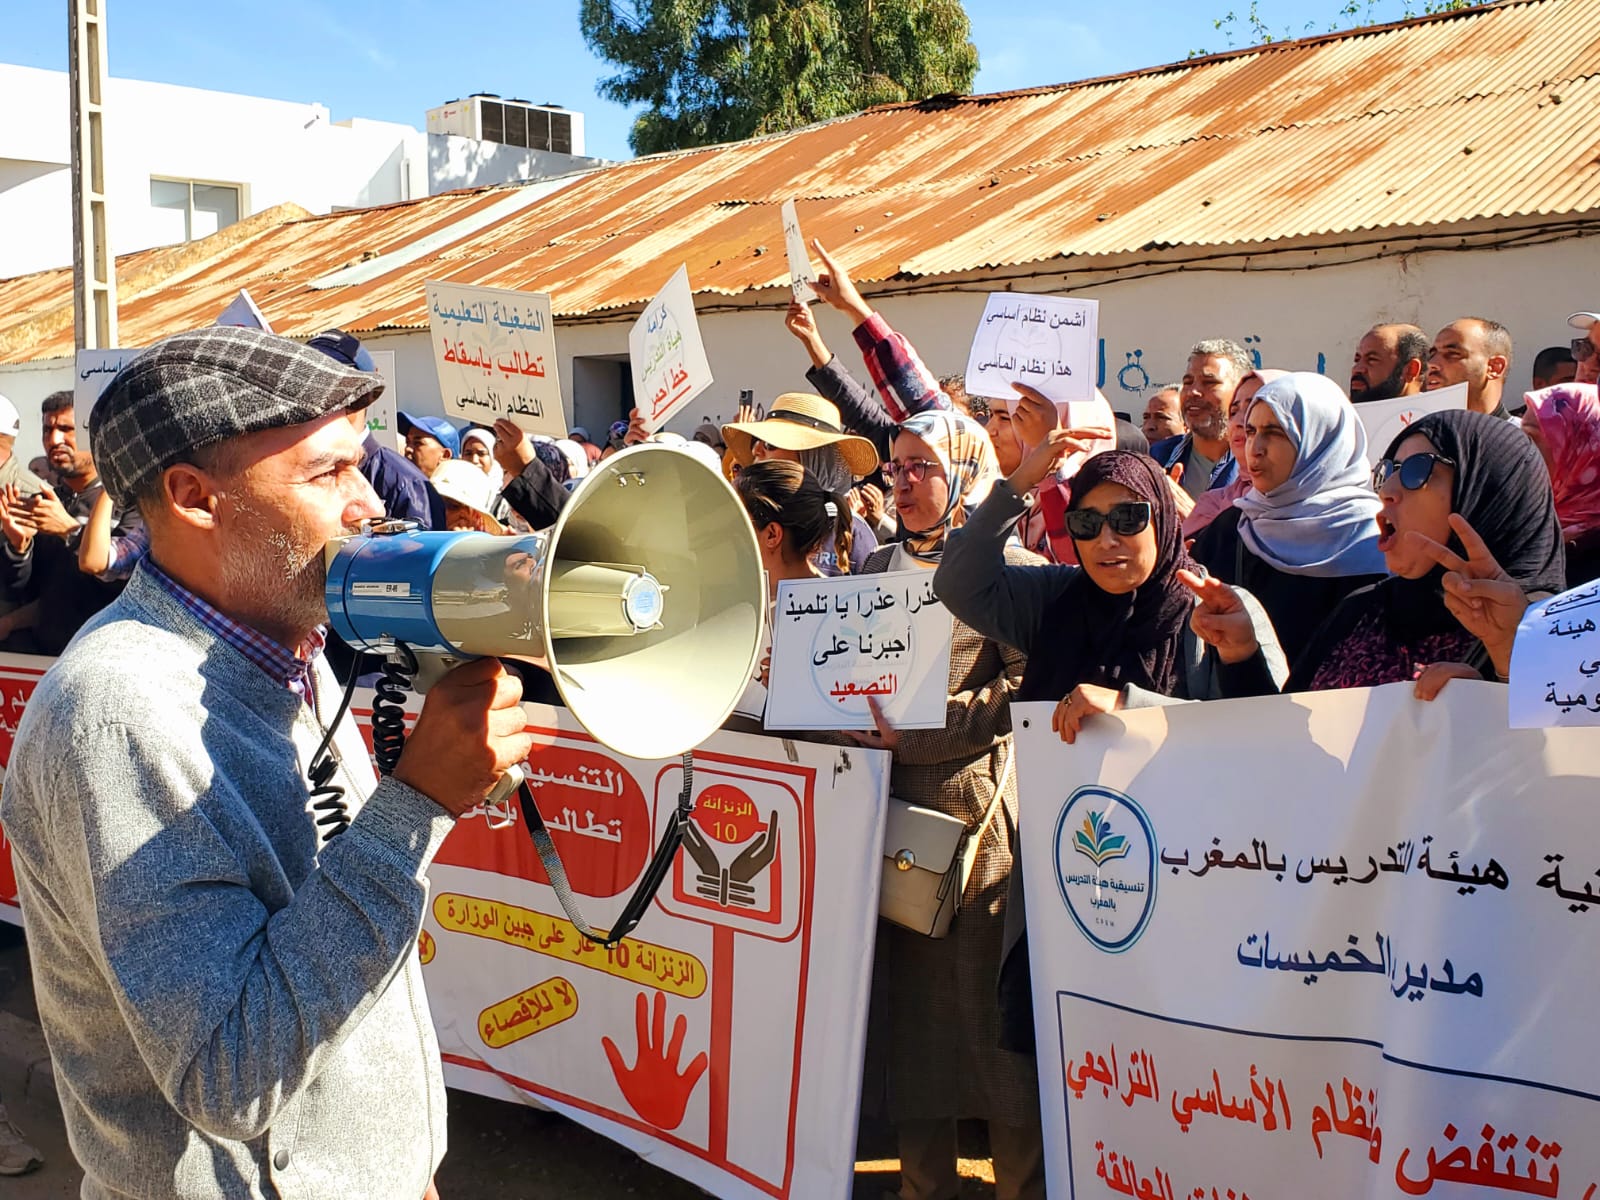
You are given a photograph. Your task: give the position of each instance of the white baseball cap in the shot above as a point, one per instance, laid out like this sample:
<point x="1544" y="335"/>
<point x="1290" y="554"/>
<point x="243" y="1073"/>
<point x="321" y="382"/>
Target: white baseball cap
<point x="10" y="420"/>
<point x="1582" y="320"/>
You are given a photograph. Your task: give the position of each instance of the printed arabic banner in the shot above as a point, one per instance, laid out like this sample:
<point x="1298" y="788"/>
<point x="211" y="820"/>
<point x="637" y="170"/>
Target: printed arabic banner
<point x="18" y="674"/>
<point x="1335" y="944"/>
<point x="722" y="1041"/>
<point x="1050" y="343"/>
<point x="836" y="643"/>
<point x="1384" y="419"/>
<point x="495" y="351"/>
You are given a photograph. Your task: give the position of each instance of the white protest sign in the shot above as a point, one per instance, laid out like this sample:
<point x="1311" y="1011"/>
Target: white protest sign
<point x="750" y="960"/>
<point x="667" y="355"/>
<point x="1050" y="343"/>
<point x="1555" y="661"/>
<point x="242" y="311"/>
<point x="1384" y="419"/>
<point x="495" y="351"/>
<point x="1362" y="967"/>
<point x="801" y="273"/>
<point x="92" y="372"/>
<point x="838" y="642"/>
<point x="383" y="413"/>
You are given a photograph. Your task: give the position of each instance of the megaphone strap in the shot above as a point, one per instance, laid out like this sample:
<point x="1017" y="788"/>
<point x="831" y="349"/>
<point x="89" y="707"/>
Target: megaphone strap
<point x="654" y="876"/>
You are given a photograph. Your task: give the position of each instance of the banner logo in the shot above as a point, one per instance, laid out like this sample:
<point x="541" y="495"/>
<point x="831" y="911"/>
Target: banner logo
<point x="1111" y="898"/>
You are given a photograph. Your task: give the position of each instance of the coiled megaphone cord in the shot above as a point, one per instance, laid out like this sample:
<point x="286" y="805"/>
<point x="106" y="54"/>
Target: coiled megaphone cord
<point x="329" y="810"/>
<point x="389" y="707"/>
<point x="654" y="876"/>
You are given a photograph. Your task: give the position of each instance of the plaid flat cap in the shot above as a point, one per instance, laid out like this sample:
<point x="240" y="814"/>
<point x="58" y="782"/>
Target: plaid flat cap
<point x="195" y="389"/>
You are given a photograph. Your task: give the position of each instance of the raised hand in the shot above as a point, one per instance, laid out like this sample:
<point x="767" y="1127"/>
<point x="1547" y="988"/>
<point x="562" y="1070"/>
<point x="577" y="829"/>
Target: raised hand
<point x="1081" y="703"/>
<point x="884" y="737"/>
<point x="1181" y="498"/>
<point x="1479" y="594"/>
<point x="15" y="521"/>
<point x="49" y="515"/>
<point x="834" y="286"/>
<point x="1221" y="621"/>
<point x="1046" y="456"/>
<point x="513" y="449"/>
<point x="1034" y="417"/>
<point x="802" y="322"/>
<point x="653" y="1086"/>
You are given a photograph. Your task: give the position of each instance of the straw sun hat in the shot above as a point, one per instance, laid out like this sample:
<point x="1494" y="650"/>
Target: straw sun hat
<point x="801" y="421"/>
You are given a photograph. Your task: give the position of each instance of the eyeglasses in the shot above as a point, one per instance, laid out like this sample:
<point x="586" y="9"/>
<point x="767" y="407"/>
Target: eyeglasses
<point x="915" y="471"/>
<point x="1582" y="349"/>
<point x="1414" y="470"/>
<point x="1126" y="519"/>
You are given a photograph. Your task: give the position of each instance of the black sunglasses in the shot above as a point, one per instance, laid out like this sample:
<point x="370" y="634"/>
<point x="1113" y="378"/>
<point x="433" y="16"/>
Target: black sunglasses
<point x="1582" y="348"/>
<point x="1125" y="519"/>
<point x="1414" y="470"/>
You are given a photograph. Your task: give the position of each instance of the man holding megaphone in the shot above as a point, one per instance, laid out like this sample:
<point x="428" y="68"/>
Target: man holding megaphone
<point x="232" y="998"/>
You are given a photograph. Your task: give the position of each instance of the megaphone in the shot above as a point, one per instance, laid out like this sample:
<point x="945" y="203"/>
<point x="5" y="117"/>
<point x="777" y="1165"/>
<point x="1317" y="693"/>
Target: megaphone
<point x="645" y="601"/>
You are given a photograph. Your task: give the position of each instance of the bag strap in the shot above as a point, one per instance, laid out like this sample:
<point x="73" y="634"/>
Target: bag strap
<point x="999" y="794"/>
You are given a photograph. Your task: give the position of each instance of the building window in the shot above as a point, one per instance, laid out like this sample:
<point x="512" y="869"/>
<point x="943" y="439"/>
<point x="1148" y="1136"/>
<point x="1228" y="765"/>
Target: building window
<point x="192" y="209"/>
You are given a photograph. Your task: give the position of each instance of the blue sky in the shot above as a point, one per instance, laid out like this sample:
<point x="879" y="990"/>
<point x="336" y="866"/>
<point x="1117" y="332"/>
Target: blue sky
<point x="394" y="59"/>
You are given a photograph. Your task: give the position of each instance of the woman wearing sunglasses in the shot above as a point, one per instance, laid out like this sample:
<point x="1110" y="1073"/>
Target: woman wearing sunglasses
<point x="1464" y="502"/>
<point x="1563" y="422"/>
<point x="1302" y="538"/>
<point x="943" y="1020"/>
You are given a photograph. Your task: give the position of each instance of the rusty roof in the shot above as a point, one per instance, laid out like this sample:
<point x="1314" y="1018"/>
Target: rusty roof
<point x="1491" y="114"/>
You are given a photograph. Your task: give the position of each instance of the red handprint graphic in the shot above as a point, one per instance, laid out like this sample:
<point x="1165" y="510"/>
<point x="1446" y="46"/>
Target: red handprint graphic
<point x="653" y="1086"/>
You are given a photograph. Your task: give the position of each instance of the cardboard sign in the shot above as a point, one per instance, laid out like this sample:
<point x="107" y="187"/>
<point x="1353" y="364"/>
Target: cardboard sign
<point x="1050" y="343"/>
<point x="495" y="351"/>
<point x="667" y="355"/>
<point x="242" y="311"/>
<point x="801" y="274"/>
<point x="92" y="373"/>
<point x="1369" y="971"/>
<point x="382" y="413"/>
<point x="1385" y="419"/>
<point x="838" y="642"/>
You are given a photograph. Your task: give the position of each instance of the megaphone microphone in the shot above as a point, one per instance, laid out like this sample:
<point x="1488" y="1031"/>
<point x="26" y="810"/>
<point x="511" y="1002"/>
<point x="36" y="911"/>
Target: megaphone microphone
<point x="645" y="602"/>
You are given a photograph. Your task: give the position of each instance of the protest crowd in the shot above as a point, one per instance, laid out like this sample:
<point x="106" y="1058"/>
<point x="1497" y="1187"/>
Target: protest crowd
<point x="1232" y="539"/>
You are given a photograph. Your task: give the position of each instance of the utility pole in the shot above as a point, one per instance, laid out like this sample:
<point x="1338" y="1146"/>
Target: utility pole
<point x="94" y="268"/>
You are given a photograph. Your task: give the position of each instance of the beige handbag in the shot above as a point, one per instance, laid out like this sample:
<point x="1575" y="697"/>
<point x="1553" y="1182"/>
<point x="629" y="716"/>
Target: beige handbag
<point x="928" y="858"/>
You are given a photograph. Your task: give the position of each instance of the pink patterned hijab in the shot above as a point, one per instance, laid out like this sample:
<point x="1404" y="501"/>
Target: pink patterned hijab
<point x="1569" y="420"/>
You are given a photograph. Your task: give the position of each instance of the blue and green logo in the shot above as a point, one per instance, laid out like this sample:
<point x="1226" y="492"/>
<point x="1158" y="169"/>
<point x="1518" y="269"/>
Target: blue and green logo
<point x="1110" y="898"/>
<point x="1097" y="843"/>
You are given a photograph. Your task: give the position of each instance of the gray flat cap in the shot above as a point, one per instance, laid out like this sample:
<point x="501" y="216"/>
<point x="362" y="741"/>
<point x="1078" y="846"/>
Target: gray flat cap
<point x="195" y="389"/>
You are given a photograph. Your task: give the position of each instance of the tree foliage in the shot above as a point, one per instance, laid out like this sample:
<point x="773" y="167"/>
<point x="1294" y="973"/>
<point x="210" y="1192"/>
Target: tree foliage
<point x="1255" y="29"/>
<point x="719" y="70"/>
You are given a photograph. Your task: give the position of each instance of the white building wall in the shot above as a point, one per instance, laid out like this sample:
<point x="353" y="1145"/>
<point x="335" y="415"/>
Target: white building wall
<point x="1298" y="320"/>
<point x="274" y="150"/>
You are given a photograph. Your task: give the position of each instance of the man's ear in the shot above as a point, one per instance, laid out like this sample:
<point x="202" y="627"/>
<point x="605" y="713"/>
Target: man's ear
<point x="190" y="495"/>
<point x="1415" y="369"/>
<point x="1498" y="365"/>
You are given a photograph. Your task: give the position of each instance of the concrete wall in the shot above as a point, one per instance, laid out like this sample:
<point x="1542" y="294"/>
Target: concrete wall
<point x="274" y="150"/>
<point x="1307" y="319"/>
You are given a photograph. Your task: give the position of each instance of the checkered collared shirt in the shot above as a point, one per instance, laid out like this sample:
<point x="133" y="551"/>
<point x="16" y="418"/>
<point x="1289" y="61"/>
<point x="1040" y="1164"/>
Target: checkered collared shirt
<point x="290" y="669"/>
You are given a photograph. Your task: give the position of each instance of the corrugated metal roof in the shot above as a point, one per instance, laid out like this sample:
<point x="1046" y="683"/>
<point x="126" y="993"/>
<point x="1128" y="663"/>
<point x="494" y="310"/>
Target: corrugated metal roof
<point x="1489" y="114"/>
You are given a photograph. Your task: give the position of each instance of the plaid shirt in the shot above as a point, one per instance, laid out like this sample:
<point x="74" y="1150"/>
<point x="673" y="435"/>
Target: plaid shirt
<point x="284" y="667"/>
<point x="901" y="377"/>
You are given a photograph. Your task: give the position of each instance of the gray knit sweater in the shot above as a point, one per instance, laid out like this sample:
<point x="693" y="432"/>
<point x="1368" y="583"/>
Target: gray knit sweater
<point x="232" y="1011"/>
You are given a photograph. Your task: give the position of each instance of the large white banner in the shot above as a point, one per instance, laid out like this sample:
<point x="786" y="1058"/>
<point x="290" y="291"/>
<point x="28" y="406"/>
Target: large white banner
<point x="1314" y="946"/>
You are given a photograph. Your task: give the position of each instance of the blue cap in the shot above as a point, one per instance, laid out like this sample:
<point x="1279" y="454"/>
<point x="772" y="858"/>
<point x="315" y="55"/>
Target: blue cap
<point x="343" y="347"/>
<point x="435" y="427"/>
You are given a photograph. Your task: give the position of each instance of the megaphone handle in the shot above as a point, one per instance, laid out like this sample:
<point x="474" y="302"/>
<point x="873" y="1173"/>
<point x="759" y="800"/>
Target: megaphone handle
<point x="655" y="874"/>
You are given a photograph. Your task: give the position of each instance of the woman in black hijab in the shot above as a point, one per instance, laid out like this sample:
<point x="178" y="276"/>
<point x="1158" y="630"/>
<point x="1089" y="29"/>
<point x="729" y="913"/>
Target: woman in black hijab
<point x="1111" y="633"/>
<point x="1448" y="470"/>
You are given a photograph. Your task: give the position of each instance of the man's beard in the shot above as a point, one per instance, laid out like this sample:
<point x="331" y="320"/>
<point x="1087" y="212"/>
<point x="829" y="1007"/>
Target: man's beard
<point x="1388" y="389"/>
<point x="282" y="575"/>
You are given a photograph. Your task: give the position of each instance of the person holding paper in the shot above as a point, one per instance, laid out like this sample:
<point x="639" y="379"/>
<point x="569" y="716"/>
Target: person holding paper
<point x="944" y="1020"/>
<point x="1462" y="495"/>
<point x="1563" y="423"/>
<point x="1304" y="536"/>
<point x="1215" y="368"/>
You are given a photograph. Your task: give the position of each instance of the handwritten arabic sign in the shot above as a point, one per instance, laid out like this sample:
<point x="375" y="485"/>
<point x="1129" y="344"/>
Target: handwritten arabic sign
<point x="749" y="962"/>
<point x="1377" y="981"/>
<point x="838" y="642"/>
<point x="801" y="273"/>
<point x="1049" y="343"/>
<point x="382" y="415"/>
<point x="495" y="352"/>
<point x="1555" y="662"/>
<point x="1384" y="419"/>
<point x="93" y="371"/>
<point x="668" y="358"/>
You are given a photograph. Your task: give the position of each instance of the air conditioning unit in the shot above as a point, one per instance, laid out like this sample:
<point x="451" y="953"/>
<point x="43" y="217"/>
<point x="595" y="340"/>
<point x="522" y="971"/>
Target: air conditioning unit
<point x="488" y="118"/>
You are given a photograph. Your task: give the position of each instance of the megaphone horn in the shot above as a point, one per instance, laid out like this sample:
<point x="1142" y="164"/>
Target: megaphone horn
<point x="645" y="600"/>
